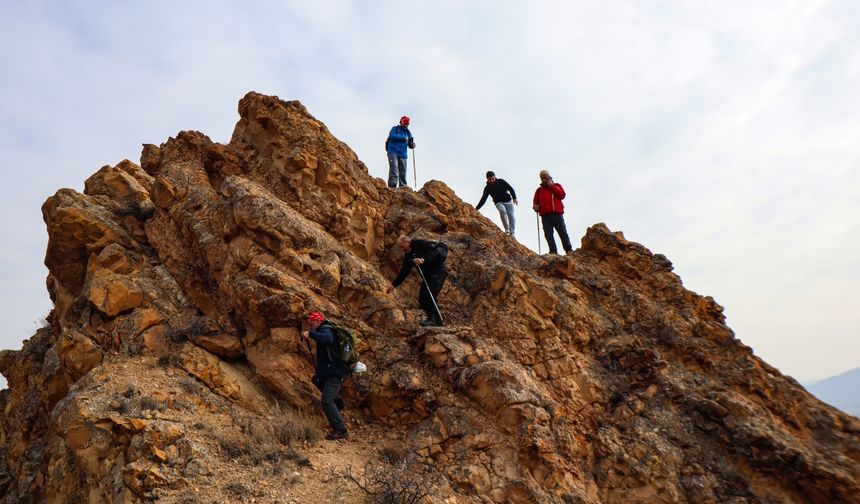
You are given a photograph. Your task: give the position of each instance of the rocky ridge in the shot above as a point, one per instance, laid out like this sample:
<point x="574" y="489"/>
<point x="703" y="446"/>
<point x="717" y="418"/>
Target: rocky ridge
<point x="179" y="284"/>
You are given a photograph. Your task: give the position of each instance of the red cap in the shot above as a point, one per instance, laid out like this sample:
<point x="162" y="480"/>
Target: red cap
<point x="316" y="317"/>
<point x="404" y="120"/>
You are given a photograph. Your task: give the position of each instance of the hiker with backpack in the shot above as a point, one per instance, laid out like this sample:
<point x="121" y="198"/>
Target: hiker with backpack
<point x="504" y="198"/>
<point x="330" y="372"/>
<point x="399" y="138"/>
<point x="429" y="257"/>
<point x="547" y="203"/>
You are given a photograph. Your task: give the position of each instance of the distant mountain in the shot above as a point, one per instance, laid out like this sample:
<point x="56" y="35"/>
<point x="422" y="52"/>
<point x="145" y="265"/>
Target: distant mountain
<point x="840" y="391"/>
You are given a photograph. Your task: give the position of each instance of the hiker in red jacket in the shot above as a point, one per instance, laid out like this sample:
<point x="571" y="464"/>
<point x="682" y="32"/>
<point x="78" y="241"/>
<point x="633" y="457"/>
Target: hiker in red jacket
<point x="547" y="202"/>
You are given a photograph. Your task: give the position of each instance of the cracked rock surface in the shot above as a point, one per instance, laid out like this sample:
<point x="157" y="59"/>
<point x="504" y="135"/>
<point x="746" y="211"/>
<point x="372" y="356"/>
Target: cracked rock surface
<point x="179" y="284"/>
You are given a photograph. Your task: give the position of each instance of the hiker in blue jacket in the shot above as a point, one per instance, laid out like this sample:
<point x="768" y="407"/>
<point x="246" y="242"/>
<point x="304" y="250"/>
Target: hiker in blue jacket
<point x="399" y="138"/>
<point x="504" y="198"/>
<point x="330" y="373"/>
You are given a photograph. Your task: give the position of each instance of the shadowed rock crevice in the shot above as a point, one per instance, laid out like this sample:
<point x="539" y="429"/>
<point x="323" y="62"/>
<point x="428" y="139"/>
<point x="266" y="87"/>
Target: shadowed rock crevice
<point x="179" y="286"/>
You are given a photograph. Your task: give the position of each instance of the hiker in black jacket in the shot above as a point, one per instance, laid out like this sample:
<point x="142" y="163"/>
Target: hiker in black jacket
<point x="504" y="198"/>
<point x="430" y="257"/>
<point x="330" y="373"/>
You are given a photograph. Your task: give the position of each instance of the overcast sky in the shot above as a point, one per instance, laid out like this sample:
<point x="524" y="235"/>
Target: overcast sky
<point x="723" y="134"/>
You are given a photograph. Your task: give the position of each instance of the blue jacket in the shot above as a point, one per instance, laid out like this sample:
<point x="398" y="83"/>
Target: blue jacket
<point x="399" y="138"/>
<point x="327" y="364"/>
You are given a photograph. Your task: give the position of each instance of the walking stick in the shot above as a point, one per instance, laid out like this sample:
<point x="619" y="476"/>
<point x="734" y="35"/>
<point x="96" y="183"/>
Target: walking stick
<point x="537" y="221"/>
<point x="427" y="285"/>
<point x="414" y="171"/>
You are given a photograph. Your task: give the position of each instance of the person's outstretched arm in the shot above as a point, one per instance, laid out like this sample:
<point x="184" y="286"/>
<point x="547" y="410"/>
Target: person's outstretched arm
<point x="483" y="198"/>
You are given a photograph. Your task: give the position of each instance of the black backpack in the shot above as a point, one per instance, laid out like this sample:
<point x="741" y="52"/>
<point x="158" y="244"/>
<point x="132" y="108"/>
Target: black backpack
<point x="442" y="250"/>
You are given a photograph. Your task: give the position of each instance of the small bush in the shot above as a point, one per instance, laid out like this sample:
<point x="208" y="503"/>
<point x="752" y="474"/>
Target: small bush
<point x="188" y="497"/>
<point x="237" y="489"/>
<point x="170" y="360"/>
<point x="406" y="482"/>
<point x="393" y="455"/>
<point x="119" y="404"/>
<point x="149" y="403"/>
<point x="189" y="384"/>
<point x="190" y="329"/>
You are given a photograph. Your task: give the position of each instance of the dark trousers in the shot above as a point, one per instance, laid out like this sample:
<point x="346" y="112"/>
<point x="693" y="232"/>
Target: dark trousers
<point x="330" y="388"/>
<point x="555" y="222"/>
<point x="435" y="279"/>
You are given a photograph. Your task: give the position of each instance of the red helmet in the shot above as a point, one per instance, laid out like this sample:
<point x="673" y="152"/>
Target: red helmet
<point x="316" y="317"/>
<point x="404" y="121"/>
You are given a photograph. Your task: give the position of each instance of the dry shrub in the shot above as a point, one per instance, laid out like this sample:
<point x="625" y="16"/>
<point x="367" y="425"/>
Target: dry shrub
<point x="393" y="455"/>
<point x="189" y="329"/>
<point x="238" y="489"/>
<point x="170" y="360"/>
<point x="189" y="384"/>
<point x="406" y="482"/>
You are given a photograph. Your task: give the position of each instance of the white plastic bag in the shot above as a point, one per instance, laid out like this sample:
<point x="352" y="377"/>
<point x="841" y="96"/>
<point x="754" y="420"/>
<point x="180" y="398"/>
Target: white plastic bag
<point x="359" y="367"/>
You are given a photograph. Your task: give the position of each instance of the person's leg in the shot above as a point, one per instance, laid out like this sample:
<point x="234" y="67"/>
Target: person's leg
<point x="426" y="304"/>
<point x="330" y="391"/>
<point x="546" y="221"/>
<point x="512" y="221"/>
<point x="503" y="213"/>
<point x="402" y="165"/>
<point x="392" y="170"/>
<point x="562" y="232"/>
<point x="436" y="282"/>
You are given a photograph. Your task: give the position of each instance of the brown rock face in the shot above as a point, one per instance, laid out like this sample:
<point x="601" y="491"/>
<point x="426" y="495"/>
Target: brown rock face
<point x="584" y="379"/>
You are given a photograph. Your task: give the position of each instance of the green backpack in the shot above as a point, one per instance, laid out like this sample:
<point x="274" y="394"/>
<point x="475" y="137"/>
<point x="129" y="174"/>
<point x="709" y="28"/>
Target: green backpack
<point x="347" y="345"/>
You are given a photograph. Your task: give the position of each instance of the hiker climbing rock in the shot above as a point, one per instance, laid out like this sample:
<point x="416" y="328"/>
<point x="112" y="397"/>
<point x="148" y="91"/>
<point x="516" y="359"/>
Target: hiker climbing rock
<point x="330" y="373"/>
<point x="399" y="138"/>
<point x="504" y="198"/>
<point x="547" y="203"/>
<point x="429" y="257"/>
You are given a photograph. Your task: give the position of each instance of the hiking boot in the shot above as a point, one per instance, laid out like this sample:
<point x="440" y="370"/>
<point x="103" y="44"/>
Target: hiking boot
<point x="568" y="252"/>
<point x="428" y="323"/>
<point x="335" y="435"/>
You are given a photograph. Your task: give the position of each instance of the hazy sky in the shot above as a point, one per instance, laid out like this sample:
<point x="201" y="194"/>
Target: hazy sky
<point x="723" y="134"/>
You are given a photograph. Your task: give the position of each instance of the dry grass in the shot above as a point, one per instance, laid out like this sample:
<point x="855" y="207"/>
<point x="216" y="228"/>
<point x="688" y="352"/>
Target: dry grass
<point x="270" y="440"/>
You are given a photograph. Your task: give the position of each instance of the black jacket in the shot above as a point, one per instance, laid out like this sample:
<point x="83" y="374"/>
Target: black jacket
<point x="434" y="262"/>
<point x="499" y="191"/>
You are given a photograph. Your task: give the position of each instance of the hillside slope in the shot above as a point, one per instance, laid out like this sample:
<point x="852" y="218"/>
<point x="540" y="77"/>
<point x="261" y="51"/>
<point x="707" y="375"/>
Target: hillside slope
<point x="173" y="370"/>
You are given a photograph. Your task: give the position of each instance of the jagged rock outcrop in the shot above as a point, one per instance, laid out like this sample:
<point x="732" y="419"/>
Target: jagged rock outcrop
<point x="591" y="378"/>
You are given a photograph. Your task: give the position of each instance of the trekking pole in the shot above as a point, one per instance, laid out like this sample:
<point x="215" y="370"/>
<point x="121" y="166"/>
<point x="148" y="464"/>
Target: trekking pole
<point x="414" y="171"/>
<point x="537" y="221"/>
<point x="427" y="285"/>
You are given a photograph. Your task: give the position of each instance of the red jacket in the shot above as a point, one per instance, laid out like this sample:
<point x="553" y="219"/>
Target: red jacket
<point x="549" y="199"/>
